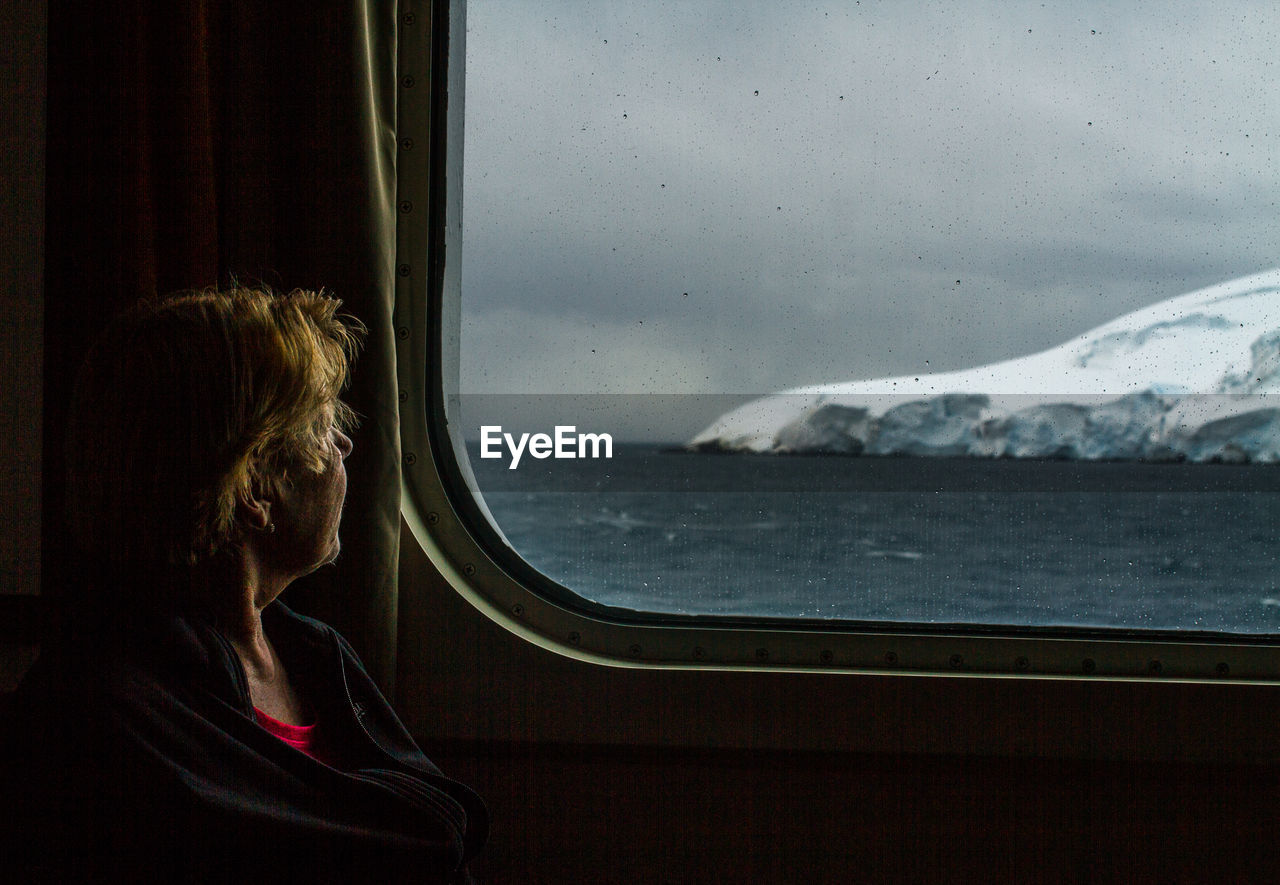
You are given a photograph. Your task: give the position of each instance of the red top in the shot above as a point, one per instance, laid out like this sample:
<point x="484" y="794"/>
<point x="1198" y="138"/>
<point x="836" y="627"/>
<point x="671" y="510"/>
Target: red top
<point x="300" y="737"/>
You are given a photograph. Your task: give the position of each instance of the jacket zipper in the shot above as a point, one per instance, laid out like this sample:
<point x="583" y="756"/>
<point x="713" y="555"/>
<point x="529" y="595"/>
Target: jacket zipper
<point x="413" y="796"/>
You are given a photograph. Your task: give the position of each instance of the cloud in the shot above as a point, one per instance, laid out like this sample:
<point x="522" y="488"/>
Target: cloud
<point x="747" y="197"/>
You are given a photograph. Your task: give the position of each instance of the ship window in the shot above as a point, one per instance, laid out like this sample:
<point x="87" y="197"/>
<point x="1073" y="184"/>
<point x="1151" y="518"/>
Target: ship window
<point x="916" y="317"/>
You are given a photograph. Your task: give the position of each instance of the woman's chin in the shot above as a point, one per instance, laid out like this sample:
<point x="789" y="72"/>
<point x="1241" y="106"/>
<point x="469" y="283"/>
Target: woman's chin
<point x="329" y="559"/>
<point x="334" y="550"/>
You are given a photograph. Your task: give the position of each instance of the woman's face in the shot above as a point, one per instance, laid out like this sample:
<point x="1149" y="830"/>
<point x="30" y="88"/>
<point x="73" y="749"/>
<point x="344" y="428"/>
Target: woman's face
<point x="310" y="508"/>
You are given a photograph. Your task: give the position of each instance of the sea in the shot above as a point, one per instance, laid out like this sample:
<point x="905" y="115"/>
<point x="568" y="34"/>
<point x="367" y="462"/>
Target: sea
<point x="1151" y="546"/>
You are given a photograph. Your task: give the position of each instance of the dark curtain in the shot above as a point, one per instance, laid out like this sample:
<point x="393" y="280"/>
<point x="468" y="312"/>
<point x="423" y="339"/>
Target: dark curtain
<point x="191" y="142"/>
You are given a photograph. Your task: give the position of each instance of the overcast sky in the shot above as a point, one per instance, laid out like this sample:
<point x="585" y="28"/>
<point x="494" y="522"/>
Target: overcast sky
<point x="741" y="197"/>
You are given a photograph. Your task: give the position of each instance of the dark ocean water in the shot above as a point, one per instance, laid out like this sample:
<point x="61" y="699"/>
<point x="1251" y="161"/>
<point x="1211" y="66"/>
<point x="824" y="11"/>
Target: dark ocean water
<point x="1160" y="546"/>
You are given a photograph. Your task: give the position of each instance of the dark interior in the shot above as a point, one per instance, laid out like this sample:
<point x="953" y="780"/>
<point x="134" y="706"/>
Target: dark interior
<point x="154" y="146"/>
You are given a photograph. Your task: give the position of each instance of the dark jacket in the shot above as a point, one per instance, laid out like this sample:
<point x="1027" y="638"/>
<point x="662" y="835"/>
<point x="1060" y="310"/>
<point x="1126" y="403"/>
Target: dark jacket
<point x="133" y="755"/>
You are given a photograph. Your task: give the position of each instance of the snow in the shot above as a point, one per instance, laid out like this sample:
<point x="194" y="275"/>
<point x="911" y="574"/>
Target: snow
<point x="1194" y="378"/>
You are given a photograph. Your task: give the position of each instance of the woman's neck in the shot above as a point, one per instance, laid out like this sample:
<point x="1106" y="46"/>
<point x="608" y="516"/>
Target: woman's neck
<point x="233" y="596"/>
<point x="232" y="591"/>
<point x="270" y="688"/>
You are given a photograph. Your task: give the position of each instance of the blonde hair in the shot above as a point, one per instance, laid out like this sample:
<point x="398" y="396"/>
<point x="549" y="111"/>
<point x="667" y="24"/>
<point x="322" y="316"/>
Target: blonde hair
<point x="188" y="404"/>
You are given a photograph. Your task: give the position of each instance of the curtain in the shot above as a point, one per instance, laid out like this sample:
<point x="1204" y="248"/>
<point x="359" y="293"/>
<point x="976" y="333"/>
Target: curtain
<point x="192" y="142"/>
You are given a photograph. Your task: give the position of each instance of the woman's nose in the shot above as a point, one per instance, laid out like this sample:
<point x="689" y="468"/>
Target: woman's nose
<point x="344" y="443"/>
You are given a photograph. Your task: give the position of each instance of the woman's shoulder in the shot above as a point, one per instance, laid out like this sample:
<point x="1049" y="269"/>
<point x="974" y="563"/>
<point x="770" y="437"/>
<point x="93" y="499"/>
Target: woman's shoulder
<point x="122" y="668"/>
<point x="287" y="626"/>
<point x="278" y="617"/>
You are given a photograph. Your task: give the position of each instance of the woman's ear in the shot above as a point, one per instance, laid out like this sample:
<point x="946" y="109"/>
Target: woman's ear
<point x="253" y="510"/>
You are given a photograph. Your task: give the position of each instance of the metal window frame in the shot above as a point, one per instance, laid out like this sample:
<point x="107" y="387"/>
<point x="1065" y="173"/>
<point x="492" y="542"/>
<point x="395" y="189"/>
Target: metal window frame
<point x="440" y="507"/>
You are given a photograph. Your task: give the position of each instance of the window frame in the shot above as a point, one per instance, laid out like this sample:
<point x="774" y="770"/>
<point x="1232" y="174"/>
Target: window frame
<point x="446" y="519"/>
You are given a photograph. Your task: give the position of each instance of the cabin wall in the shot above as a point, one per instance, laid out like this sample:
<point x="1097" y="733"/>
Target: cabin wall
<point x="22" y="108"/>
<point x="619" y="774"/>
<point x="626" y="815"/>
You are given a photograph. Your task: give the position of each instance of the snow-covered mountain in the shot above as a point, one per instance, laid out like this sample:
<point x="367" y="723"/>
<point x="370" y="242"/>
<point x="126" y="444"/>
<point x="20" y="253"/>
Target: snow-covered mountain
<point x="1196" y="377"/>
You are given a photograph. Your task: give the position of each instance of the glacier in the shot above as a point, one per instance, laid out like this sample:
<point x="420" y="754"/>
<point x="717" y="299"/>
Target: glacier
<point x="1193" y="378"/>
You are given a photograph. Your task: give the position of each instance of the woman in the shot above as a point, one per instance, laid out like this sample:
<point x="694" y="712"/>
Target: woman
<point x="189" y="726"/>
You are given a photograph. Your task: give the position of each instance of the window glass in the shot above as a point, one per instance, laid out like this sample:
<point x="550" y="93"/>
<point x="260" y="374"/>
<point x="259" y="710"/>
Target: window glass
<point x="953" y="312"/>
